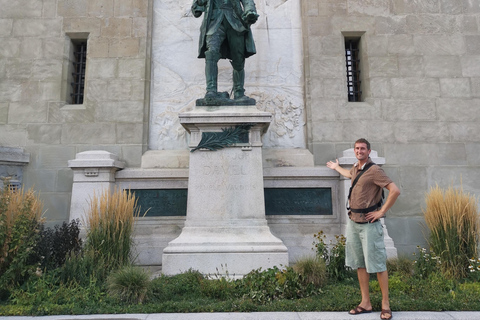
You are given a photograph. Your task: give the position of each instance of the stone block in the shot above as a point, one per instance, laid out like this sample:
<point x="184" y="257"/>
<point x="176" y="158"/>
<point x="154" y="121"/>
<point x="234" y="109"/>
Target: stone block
<point x="116" y="28"/>
<point x="413" y="181"/>
<point x="440" y="44"/>
<point x="129" y="47"/>
<point x="64" y="180"/>
<point x="100" y="8"/>
<point x="415" y="88"/>
<point x="379" y="88"/>
<point x="72" y="8"/>
<point x="452" y="154"/>
<point x="132" y="155"/>
<point x="61" y="113"/>
<point x="140" y="8"/>
<point x="114" y="149"/>
<point x="90" y="25"/>
<point x="322" y="109"/>
<point x="406" y="154"/>
<point x="47" y="69"/>
<point x="123" y="8"/>
<point x="101" y="68"/>
<point x="10" y="48"/>
<point x="42" y="28"/>
<point x="431" y="24"/>
<point x="464" y="177"/>
<point x="475" y="86"/>
<point x="470" y="65"/>
<point x="464" y="132"/>
<point x="3" y="112"/>
<point x="412" y="66"/>
<point x="139" y="89"/>
<point x="97" y="48"/>
<point x="319" y="29"/>
<point x="455" y="88"/>
<point x="6" y="27"/>
<point x="401" y="7"/>
<point x="407" y="232"/>
<point x="468" y="24"/>
<point x="421" y="131"/>
<point x="122" y="111"/>
<point x="323" y="152"/>
<point x="405" y="110"/>
<point x="53" y="47"/>
<point x="442" y="66"/>
<point x="451" y="6"/>
<point x="88" y="133"/>
<point x="360" y="111"/>
<point x="461" y="110"/>
<point x="50" y="90"/>
<point x="129" y="133"/>
<point x="473" y="153"/>
<point x="13" y="136"/>
<point x="401" y="44"/>
<point x="471" y="6"/>
<point x="57" y="206"/>
<point x="3" y="72"/>
<point x="390" y="25"/>
<point x="332" y="8"/>
<point x="10" y="90"/>
<point x="383" y="66"/>
<point x="21" y="9"/>
<point x="327" y="67"/>
<point x="119" y="90"/>
<point x="369" y="7"/>
<point x="44" y="180"/>
<point x="363" y="23"/>
<point x="49" y="9"/>
<point x="24" y="112"/>
<point x="97" y="90"/>
<point x="55" y="157"/>
<point x="19" y="69"/>
<point x="472" y="44"/>
<point x="140" y="27"/>
<point x="44" y="134"/>
<point x="335" y="88"/>
<point x="377" y="45"/>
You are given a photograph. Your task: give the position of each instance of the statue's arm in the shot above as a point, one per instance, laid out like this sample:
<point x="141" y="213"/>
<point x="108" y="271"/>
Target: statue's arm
<point x="249" y="15"/>
<point x="198" y="7"/>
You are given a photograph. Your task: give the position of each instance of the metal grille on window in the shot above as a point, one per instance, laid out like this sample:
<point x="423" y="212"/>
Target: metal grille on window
<point x="78" y="74"/>
<point x="353" y="70"/>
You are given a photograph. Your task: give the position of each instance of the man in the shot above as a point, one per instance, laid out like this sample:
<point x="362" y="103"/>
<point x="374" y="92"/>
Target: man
<point x="225" y="34"/>
<point x="365" y="247"/>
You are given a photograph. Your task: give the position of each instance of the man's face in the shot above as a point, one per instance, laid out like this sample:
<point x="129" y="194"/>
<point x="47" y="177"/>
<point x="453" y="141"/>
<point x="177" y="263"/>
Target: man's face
<point x="361" y="151"/>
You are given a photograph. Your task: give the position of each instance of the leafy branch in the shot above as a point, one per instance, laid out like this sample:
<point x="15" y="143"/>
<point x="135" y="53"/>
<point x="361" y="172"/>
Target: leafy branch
<point x="218" y="140"/>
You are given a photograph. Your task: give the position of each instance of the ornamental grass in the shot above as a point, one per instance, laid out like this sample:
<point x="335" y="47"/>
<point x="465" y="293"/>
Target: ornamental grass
<point x="110" y="225"/>
<point x="453" y="221"/>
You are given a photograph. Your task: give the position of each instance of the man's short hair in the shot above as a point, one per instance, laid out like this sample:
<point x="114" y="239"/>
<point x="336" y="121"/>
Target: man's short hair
<point x="362" y="140"/>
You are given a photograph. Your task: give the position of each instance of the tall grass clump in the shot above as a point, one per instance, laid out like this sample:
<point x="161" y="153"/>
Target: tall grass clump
<point x="110" y="224"/>
<point x="453" y="221"/>
<point x="20" y="222"/>
<point x="313" y="270"/>
<point x="129" y="284"/>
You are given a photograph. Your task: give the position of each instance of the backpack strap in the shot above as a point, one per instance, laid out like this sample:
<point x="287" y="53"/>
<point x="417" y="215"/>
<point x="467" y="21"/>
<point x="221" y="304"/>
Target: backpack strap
<point x="355" y="182"/>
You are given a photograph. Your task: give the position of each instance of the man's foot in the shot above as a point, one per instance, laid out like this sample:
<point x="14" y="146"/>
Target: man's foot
<point x="243" y="99"/>
<point x="386" y="314"/>
<point x="359" y="310"/>
<point x="211" y="95"/>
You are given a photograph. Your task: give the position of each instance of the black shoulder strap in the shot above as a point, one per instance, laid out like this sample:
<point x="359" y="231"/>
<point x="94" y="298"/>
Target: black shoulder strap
<point x="358" y="177"/>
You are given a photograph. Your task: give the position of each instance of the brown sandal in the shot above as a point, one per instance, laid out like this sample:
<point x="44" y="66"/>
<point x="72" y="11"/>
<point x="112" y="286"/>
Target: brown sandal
<point x="359" y="310"/>
<point x="386" y="312"/>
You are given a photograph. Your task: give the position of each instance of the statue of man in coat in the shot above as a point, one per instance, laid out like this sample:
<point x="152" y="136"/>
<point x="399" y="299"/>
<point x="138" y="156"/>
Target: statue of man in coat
<point x="225" y="34"/>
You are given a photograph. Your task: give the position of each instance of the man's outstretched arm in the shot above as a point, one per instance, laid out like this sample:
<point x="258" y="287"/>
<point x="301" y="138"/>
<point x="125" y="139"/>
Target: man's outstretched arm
<point x="335" y="166"/>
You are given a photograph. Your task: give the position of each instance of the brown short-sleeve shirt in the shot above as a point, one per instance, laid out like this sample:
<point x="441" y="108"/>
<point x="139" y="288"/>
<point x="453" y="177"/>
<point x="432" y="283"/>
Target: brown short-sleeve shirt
<point x="368" y="190"/>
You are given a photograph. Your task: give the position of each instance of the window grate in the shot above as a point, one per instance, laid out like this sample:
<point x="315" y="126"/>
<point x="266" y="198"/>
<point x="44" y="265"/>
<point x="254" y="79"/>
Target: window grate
<point x="353" y="70"/>
<point x="78" y="74"/>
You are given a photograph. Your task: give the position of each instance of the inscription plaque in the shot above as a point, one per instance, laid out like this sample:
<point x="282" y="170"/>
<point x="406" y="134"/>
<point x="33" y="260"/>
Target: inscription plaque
<point x="162" y="202"/>
<point x="278" y="201"/>
<point x="298" y="201"/>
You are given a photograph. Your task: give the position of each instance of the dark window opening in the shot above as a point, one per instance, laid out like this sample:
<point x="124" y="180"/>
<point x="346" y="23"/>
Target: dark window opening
<point x="78" y="72"/>
<point x="352" y="58"/>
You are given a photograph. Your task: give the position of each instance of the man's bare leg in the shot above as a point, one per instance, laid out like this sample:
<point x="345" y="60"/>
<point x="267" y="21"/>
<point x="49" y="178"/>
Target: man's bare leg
<point x="383" y="282"/>
<point x="363" y="278"/>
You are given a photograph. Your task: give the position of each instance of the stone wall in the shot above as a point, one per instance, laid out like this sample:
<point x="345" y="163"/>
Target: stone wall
<point x="34" y="111"/>
<point x="421" y="86"/>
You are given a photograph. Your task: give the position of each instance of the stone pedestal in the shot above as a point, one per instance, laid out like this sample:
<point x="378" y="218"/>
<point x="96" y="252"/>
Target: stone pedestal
<point x="226" y="231"/>
<point x="93" y="173"/>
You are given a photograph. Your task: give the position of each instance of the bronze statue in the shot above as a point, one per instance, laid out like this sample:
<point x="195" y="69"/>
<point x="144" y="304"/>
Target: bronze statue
<point x="225" y="34"/>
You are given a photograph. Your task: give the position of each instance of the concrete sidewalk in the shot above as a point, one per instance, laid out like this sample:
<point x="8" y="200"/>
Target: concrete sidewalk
<point x="397" y="315"/>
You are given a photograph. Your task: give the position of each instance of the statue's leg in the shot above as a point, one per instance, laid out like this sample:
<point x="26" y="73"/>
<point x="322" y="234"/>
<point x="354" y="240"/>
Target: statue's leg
<point x="238" y="83"/>
<point x="211" y="73"/>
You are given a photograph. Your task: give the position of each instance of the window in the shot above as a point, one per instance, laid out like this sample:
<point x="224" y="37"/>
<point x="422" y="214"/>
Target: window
<point x="352" y="59"/>
<point x="79" y="61"/>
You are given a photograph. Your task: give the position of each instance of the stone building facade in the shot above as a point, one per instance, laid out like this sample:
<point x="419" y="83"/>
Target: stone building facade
<point x="419" y="72"/>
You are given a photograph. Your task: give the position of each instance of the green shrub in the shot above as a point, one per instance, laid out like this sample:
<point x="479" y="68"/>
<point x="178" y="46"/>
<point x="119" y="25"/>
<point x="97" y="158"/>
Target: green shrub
<point x="312" y="269"/>
<point x="274" y="283"/>
<point x="426" y="264"/>
<point x="129" y="284"/>
<point x="20" y="222"/>
<point x="333" y="255"/>
<point x="401" y="265"/>
<point x="453" y="220"/>
<point x="169" y="287"/>
<point x="56" y="244"/>
<point x="110" y="222"/>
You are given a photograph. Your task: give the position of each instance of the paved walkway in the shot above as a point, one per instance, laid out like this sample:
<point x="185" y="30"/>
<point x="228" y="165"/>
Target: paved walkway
<point x="398" y="315"/>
